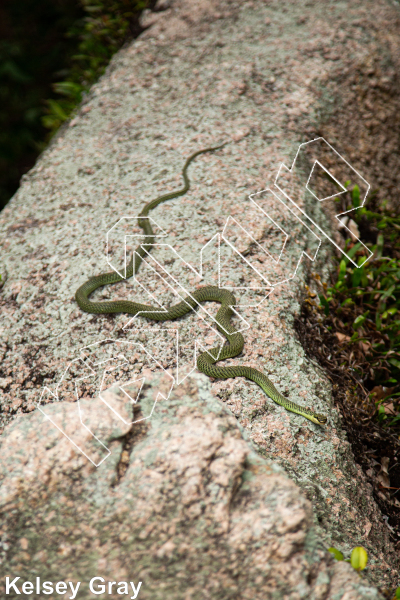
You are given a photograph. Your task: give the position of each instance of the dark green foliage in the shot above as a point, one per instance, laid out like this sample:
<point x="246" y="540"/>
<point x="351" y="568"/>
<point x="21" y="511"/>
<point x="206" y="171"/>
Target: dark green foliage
<point x="108" y="24"/>
<point x="51" y="51"/>
<point x="32" y="48"/>
<point x="352" y="328"/>
<point x="364" y="307"/>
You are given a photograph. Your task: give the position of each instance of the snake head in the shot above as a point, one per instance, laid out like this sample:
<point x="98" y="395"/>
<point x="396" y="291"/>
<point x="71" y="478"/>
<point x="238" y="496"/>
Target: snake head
<point x="320" y="419"/>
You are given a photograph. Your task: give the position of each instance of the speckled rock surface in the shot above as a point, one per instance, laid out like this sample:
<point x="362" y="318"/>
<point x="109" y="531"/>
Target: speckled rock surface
<point x="197" y="514"/>
<point x="263" y="76"/>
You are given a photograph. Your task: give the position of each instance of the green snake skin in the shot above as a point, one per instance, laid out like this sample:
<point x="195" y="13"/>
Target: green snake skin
<point x="206" y="361"/>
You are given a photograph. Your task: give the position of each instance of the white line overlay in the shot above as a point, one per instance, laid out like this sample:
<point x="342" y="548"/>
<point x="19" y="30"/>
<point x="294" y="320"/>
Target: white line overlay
<point x="274" y="215"/>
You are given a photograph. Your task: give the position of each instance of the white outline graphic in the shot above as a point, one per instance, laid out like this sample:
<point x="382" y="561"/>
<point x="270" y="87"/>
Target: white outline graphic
<point x="292" y="169"/>
<point x="330" y="175"/>
<point x="91" y="371"/>
<point x="262" y="282"/>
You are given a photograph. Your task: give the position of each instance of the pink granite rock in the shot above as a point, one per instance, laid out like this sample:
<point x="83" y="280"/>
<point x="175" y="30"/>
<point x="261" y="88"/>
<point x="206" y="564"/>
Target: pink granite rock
<point x="264" y="76"/>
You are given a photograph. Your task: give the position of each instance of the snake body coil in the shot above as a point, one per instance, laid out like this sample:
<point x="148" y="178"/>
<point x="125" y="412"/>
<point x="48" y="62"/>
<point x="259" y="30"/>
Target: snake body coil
<point x="206" y="361"/>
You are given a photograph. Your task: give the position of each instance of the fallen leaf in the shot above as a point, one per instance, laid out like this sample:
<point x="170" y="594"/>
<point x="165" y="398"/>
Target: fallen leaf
<point x="380" y="392"/>
<point x="342" y="337"/>
<point x="383" y="480"/>
<point x="352" y="225"/>
<point x="364" y="347"/>
<point x="383" y="475"/>
<point x="385" y="464"/>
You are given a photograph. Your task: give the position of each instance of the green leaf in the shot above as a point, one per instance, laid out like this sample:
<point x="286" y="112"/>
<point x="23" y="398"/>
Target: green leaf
<point x="359" y="558"/>
<point x="348" y="302"/>
<point x="364" y="279"/>
<point x="362" y="211"/>
<point x="355" y="195"/>
<point x="397" y="593"/>
<point x="353" y="250"/>
<point x="57" y="110"/>
<point x="342" y="270"/>
<point x="357" y="276"/>
<point x="394" y="421"/>
<point x="360" y="320"/>
<point x="388" y="292"/>
<point x="379" y="245"/>
<point x="336" y="553"/>
<point x="382" y="416"/>
<point x="325" y="303"/>
<point x="69" y="89"/>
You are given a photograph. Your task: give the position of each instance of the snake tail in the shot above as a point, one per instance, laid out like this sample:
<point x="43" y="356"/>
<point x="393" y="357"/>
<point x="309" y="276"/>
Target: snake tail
<point x="206" y="361"/>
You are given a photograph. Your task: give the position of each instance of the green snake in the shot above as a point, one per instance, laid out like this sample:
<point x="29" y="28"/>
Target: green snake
<point x="206" y="361"/>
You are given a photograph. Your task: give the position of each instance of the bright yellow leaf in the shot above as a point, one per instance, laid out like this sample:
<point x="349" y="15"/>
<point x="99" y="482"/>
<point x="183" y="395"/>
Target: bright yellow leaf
<point x="359" y="558"/>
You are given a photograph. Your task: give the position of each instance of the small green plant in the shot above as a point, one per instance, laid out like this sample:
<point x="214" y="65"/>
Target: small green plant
<point x="358" y="558"/>
<point x="336" y="553"/>
<point x="363" y="308"/>
<point x="397" y="594"/>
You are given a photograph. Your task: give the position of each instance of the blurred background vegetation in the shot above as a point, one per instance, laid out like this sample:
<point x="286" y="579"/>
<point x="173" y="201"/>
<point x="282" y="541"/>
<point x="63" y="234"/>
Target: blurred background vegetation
<point x="51" y="52"/>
